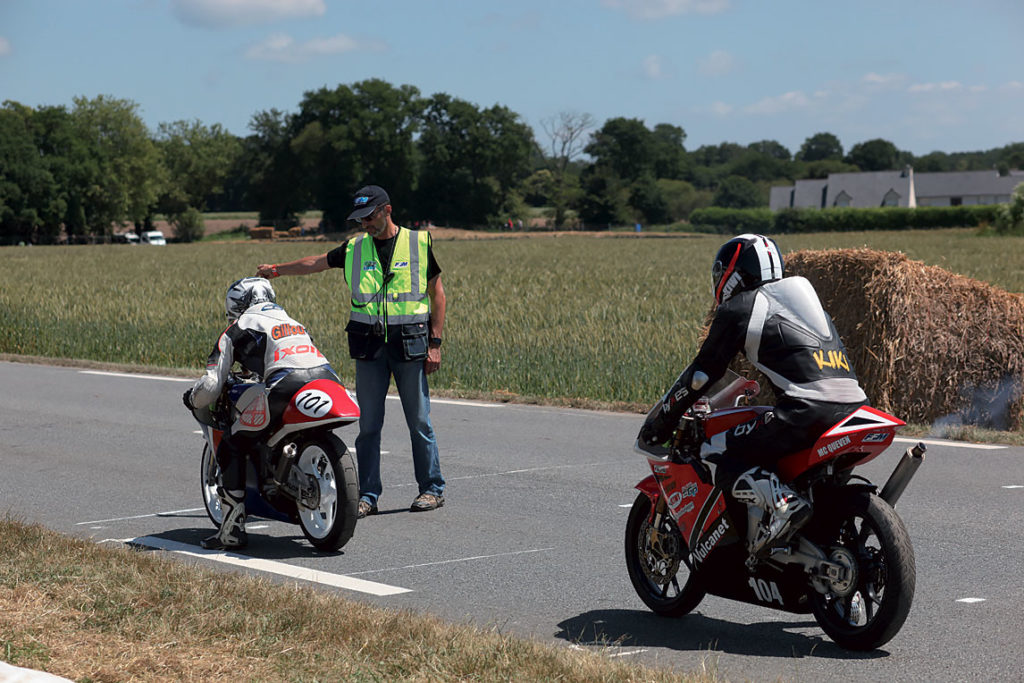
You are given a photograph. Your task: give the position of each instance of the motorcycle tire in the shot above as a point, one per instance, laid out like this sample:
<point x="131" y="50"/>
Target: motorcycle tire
<point x="867" y="612"/>
<point x="661" y="578"/>
<point x="209" y="473"/>
<point x="331" y="524"/>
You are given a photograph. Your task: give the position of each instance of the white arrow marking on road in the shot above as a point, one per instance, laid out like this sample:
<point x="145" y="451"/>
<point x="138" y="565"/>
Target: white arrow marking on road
<point x="279" y="568"/>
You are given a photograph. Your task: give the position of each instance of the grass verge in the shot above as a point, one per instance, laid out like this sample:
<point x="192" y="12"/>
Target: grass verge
<point x="97" y="613"/>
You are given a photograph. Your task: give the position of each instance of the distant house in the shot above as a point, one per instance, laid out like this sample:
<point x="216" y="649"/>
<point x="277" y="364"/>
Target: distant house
<point x="896" y="188"/>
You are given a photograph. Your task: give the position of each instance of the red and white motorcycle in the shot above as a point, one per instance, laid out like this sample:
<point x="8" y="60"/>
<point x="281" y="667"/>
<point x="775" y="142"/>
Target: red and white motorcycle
<point x="302" y="473"/>
<point x="851" y="564"/>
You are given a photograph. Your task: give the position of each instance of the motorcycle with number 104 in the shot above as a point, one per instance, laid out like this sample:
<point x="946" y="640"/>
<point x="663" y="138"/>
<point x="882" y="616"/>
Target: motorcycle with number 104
<point x="851" y="564"/>
<point x="301" y="473"/>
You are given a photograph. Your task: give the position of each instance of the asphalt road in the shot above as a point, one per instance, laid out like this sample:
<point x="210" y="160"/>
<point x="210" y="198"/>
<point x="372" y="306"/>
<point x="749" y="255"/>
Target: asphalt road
<point x="530" y="539"/>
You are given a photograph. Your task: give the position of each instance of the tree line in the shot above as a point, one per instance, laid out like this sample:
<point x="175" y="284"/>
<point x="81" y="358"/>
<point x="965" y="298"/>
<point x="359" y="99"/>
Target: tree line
<point x="79" y="171"/>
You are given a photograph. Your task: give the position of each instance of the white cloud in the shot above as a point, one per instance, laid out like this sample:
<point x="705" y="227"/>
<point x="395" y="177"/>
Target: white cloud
<point x="1012" y="86"/>
<point x="934" y="87"/>
<point x="718" y="63"/>
<point x="653" y="68"/>
<point x="789" y="101"/>
<point x="721" y="108"/>
<point x="883" y="80"/>
<point x="659" y="9"/>
<point x="232" y="13"/>
<point x="5" y="47"/>
<point x="283" y="48"/>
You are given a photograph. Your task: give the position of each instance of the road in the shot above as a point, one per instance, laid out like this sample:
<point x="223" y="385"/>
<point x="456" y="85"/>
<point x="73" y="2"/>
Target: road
<point x="530" y="538"/>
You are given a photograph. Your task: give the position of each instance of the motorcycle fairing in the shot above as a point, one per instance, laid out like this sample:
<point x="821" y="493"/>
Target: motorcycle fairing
<point x="320" y="402"/>
<point x="859" y="437"/>
<point x="781" y="588"/>
<point x="251" y="409"/>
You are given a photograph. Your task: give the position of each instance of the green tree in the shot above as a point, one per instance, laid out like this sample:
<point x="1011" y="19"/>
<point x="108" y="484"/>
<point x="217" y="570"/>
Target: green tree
<point x="275" y="179"/>
<point x="736" y="192"/>
<point x="669" y="154"/>
<point x="31" y="208"/>
<point x="820" y="147"/>
<point x="682" y="198"/>
<point x="472" y="161"/>
<point x="875" y="155"/>
<point x="122" y="174"/>
<point x="649" y="202"/>
<point x="771" y="148"/>
<point x="605" y="198"/>
<point x="625" y="147"/>
<point x="198" y="159"/>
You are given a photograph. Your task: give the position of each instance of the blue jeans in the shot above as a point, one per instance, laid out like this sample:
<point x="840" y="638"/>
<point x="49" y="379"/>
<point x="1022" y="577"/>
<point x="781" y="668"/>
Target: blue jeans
<point x="372" y="380"/>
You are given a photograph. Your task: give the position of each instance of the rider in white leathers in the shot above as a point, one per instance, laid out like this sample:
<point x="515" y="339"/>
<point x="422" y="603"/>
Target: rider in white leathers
<point x="268" y="343"/>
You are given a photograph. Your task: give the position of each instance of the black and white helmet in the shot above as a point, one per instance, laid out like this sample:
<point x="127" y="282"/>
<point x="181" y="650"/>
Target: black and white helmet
<point x="745" y="262"/>
<point x="245" y="293"/>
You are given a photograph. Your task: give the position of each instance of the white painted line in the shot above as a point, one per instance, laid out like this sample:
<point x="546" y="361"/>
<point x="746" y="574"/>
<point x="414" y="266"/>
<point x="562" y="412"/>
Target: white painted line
<point x="971" y="600"/>
<point x="270" y="566"/>
<point x="536" y="469"/>
<point x="136" y="376"/>
<point x="626" y="505"/>
<point x="152" y="514"/>
<point x="456" y="402"/>
<point x="627" y="654"/>
<point x="461" y="559"/>
<point x="1014" y="486"/>
<point x="951" y="444"/>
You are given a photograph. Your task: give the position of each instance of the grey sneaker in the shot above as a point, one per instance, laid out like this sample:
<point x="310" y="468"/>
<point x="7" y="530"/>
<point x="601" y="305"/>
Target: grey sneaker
<point x="365" y="508"/>
<point x="425" y="502"/>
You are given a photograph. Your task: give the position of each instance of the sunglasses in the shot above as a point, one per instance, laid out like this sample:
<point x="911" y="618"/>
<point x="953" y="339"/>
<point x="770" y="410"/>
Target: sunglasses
<point x="370" y="216"/>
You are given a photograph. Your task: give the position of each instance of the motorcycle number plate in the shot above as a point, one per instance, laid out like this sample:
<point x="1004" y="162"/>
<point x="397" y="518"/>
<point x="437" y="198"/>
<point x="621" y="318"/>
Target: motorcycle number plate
<point x="314" y="403"/>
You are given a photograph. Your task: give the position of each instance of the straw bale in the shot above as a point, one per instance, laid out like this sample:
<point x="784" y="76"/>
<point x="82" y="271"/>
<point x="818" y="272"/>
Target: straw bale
<point x="261" y="233"/>
<point x="927" y="345"/>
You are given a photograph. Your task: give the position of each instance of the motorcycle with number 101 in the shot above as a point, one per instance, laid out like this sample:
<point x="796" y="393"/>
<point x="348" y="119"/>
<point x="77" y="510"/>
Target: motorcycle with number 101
<point x="301" y="473"/>
<point x="851" y="564"/>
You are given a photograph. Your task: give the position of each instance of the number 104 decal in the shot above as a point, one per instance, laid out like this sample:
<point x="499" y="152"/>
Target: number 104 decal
<point x="313" y="403"/>
<point x="766" y="591"/>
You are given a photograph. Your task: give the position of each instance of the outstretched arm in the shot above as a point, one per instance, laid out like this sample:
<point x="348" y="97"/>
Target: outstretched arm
<point x="302" y="266"/>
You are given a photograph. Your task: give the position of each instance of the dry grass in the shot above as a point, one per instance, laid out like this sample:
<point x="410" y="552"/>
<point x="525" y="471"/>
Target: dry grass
<point x="93" y="613"/>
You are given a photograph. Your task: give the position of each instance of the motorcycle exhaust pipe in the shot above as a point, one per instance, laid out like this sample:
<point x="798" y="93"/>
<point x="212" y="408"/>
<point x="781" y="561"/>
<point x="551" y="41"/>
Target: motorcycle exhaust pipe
<point x="904" y="472"/>
<point x="288" y="453"/>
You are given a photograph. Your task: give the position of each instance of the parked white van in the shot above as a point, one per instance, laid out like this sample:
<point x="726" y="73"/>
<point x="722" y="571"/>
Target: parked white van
<point x="153" y="237"/>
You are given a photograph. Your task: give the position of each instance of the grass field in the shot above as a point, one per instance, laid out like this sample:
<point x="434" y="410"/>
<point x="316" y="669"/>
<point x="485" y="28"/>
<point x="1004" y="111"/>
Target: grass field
<point x="577" y="318"/>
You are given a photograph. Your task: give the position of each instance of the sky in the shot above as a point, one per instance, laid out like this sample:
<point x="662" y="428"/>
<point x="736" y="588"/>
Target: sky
<point x="927" y="75"/>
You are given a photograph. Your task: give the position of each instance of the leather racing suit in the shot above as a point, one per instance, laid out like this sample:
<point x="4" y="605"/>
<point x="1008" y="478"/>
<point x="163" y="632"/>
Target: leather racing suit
<point x="265" y="341"/>
<point x="782" y="329"/>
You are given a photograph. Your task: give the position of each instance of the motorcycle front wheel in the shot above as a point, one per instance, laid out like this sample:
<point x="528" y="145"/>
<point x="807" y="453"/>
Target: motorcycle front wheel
<point x="864" y="610"/>
<point x="332" y="522"/>
<point x="654" y="561"/>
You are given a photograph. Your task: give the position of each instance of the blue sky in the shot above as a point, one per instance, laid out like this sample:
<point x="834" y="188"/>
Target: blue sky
<point x="925" y="74"/>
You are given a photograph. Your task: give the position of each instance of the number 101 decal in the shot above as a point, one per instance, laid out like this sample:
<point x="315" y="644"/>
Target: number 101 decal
<point x="766" y="591"/>
<point x="313" y="403"/>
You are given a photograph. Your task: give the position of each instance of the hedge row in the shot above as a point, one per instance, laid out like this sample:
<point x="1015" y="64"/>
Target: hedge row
<point x="766" y="221"/>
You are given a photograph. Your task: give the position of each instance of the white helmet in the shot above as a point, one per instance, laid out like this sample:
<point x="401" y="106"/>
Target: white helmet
<point x="245" y="293"/>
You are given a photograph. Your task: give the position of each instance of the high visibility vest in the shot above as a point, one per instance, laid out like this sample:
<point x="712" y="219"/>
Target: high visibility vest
<point x="404" y="298"/>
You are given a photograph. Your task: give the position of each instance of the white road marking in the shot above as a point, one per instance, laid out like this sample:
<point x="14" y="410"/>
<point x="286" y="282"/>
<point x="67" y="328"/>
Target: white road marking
<point x="136" y="376"/>
<point x="461" y="559"/>
<point x="456" y="402"/>
<point x="1014" y="486"/>
<point x="270" y="566"/>
<point x="951" y="444"/>
<point x="627" y="654"/>
<point x="152" y="514"/>
<point x="971" y="600"/>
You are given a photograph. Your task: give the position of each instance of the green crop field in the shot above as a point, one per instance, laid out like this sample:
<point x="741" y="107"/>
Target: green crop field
<point x="589" y="318"/>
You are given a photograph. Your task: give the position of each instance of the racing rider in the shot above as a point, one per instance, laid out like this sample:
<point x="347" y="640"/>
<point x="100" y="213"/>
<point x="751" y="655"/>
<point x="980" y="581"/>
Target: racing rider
<point x="269" y="344"/>
<point x="780" y="326"/>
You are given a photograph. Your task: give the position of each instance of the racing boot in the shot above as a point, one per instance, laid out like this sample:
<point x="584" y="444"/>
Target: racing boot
<point x="774" y="511"/>
<point x="232" y="527"/>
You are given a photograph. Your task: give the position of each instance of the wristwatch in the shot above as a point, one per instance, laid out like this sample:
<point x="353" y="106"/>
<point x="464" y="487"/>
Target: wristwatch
<point x="435" y="342"/>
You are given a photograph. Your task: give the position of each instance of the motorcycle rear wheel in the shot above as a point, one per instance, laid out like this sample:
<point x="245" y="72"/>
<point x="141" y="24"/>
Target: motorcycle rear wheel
<point x="331" y="524"/>
<point x="659" y="575"/>
<point x="209" y="473"/>
<point x="867" y="614"/>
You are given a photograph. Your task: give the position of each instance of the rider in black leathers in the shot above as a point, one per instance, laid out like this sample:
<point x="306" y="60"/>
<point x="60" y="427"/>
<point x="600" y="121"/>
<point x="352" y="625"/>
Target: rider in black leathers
<point x="276" y="350"/>
<point x="780" y="326"/>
